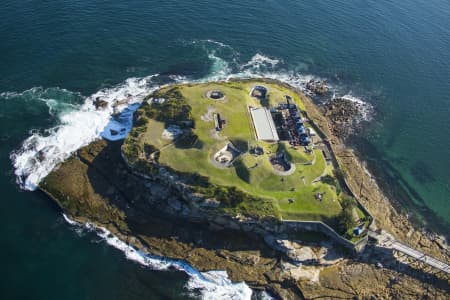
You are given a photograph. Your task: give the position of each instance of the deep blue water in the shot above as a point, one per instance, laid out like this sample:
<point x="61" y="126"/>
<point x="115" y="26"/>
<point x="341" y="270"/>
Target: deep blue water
<point x="392" y="54"/>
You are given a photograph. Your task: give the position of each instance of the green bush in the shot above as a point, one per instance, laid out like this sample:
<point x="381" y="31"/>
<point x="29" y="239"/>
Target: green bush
<point x="132" y="150"/>
<point x="145" y="167"/>
<point x="141" y="121"/>
<point x="345" y="220"/>
<point x="348" y="202"/>
<point x="328" y="179"/>
<point x="175" y="108"/>
<point x="149" y="150"/>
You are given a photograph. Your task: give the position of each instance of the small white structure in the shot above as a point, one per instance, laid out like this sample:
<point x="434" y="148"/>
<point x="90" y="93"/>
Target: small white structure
<point x="172" y="132"/>
<point x="264" y="125"/>
<point x="156" y="100"/>
<point x="225" y="156"/>
<point x="311" y="131"/>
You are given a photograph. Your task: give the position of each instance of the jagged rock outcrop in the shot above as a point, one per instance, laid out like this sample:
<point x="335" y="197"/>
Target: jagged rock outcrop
<point x="344" y="114"/>
<point x="318" y="87"/>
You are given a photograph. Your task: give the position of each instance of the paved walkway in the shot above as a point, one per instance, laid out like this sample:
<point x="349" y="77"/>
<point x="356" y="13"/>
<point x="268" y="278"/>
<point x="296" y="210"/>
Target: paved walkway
<point x="389" y="242"/>
<point x="421" y="256"/>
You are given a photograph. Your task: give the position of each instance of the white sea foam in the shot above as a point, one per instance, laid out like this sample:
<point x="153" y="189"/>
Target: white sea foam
<point x="69" y="220"/>
<point x="210" y="285"/>
<point x="259" y="60"/>
<point x="48" y="97"/>
<point x="211" y="41"/>
<point x="178" y="78"/>
<point x="365" y="108"/>
<point x="262" y="66"/>
<point x="220" y="69"/>
<point x="265" y="296"/>
<point x="42" y="151"/>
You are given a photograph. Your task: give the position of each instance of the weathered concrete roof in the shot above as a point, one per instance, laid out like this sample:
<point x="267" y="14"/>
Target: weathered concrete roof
<point x="264" y="125"/>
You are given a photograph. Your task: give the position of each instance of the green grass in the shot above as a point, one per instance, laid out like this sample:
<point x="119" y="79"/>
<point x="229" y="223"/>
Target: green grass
<point x="153" y="134"/>
<point x="296" y="155"/>
<point x="250" y="174"/>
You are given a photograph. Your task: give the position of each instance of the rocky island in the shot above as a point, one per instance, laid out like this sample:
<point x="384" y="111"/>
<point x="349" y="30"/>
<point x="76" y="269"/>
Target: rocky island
<point x="250" y="177"/>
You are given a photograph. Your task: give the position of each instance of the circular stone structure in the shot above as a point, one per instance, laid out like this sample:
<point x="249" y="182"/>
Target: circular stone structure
<point x="281" y="166"/>
<point x="215" y="95"/>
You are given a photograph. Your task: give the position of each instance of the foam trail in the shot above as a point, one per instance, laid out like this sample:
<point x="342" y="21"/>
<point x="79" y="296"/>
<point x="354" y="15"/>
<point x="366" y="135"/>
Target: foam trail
<point x="57" y="100"/>
<point x="261" y="66"/>
<point x="211" y="41"/>
<point x="40" y="153"/>
<point x="211" y="284"/>
<point x="260" y="60"/>
<point x="220" y="69"/>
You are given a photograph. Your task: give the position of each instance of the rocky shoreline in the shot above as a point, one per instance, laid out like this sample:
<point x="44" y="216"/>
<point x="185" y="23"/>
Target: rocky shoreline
<point x="97" y="186"/>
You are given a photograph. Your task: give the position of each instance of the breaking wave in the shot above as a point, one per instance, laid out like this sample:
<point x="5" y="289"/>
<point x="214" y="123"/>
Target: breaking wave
<point x="259" y="61"/>
<point x="210" y="285"/>
<point x="365" y="109"/>
<point x="225" y="65"/>
<point x="57" y="100"/>
<point x="220" y="68"/>
<point x="78" y="126"/>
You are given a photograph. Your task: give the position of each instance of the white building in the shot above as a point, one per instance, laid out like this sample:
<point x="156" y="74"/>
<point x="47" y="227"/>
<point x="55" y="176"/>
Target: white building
<point x="264" y="125"/>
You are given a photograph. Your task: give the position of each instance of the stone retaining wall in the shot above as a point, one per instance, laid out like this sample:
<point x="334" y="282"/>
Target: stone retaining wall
<point x="317" y="226"/>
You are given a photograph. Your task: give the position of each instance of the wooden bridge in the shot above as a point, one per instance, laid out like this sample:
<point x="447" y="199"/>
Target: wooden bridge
<point x="389" y="242"/>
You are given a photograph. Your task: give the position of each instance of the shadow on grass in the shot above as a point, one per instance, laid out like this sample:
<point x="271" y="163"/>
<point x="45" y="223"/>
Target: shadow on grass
<point x="188" y="141"/>
<point x="112" y="180"/>
<point x="240" y="144"/>
<point x="241" y="170"/>
<point x="264" y="101"/>
<point x="282" y="148"/>
<point x="333" y="222"/>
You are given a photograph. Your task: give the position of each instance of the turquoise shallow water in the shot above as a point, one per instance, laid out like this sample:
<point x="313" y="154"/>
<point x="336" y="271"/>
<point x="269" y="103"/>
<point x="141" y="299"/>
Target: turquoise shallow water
<point x="394" y="55"/>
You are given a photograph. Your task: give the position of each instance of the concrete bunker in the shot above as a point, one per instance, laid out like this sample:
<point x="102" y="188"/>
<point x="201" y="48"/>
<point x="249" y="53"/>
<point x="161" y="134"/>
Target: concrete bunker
<point x="259" y="91"/>
<point x="225" y="156"/>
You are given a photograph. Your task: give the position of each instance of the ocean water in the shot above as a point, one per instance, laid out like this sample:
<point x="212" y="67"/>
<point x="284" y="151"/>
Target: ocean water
<point x="56" y="56"/>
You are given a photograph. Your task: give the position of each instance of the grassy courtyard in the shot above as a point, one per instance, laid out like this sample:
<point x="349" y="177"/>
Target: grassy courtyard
<point x="292" y="196"/>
